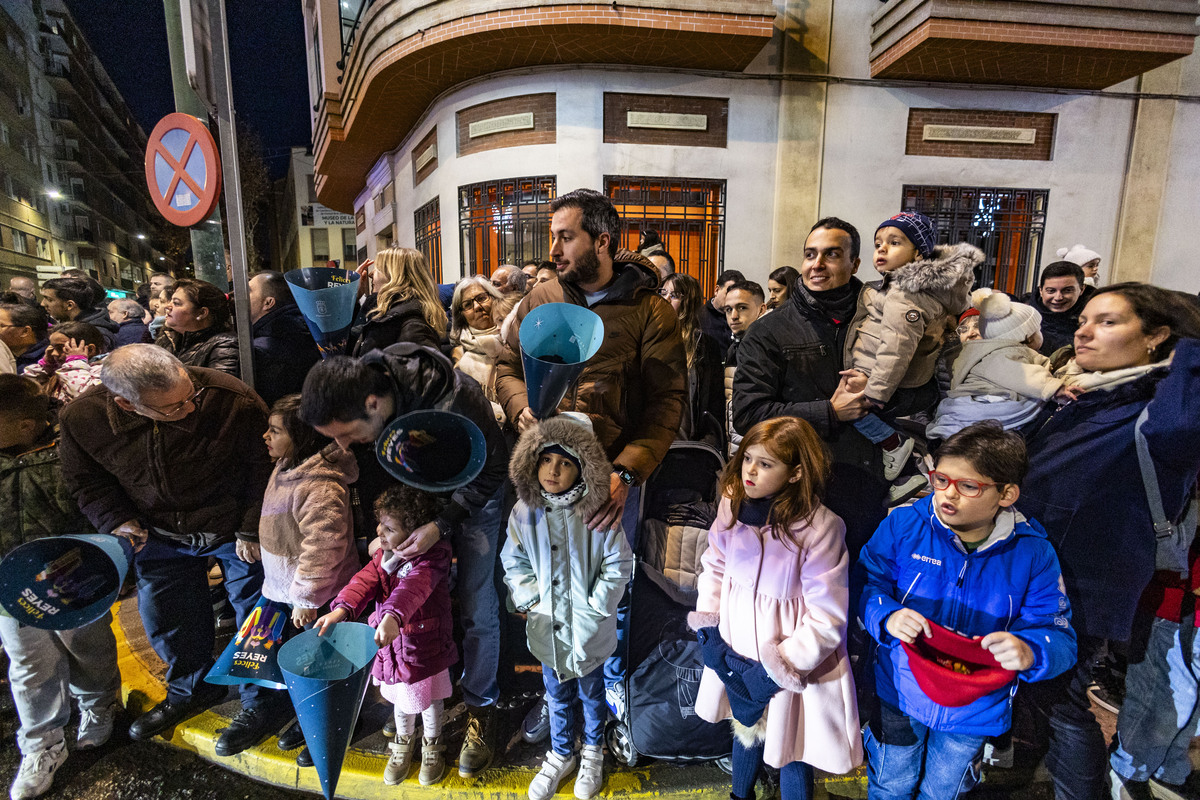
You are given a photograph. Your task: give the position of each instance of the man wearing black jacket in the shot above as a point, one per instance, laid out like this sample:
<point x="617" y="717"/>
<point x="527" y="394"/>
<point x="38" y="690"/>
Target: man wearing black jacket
<point x="790" y="364"/>
<point x="351" y="401"/>
<point x="284" y="350"/>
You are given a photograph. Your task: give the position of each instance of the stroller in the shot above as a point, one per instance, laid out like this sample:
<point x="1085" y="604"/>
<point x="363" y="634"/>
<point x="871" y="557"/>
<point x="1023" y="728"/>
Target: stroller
<point x="662" y="656"/>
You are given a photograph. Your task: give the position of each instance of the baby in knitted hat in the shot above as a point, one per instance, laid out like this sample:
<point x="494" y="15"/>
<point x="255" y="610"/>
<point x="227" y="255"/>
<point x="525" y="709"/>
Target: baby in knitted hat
<point x="1000" y="376"/>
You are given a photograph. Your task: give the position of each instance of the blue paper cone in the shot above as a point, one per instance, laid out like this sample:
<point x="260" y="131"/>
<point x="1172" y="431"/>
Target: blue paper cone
<point x="437" y="451"/>
<point x="63" y="582"/>
<point x="326" y="299"/>
<point x="557" y="339"/>
<point x="326" y="679"/>
<point x="253" y="655"/>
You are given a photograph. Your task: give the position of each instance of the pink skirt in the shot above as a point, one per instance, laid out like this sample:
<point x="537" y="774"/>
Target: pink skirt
<point x="413" y="698"/>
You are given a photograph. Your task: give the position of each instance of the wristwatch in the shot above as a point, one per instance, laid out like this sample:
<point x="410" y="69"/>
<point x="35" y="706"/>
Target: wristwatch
<point x="625" y="475"/>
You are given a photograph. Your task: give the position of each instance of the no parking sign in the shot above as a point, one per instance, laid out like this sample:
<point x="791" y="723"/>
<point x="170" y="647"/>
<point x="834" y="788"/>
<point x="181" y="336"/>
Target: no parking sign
<point x="183" y="170"/>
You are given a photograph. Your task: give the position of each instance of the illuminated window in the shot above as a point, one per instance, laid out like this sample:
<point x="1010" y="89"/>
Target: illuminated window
<point x="1006" y="224"/>
<point x="504" y="222"/>
<point x="428" y="223"/>
<point x="688" y="213"/>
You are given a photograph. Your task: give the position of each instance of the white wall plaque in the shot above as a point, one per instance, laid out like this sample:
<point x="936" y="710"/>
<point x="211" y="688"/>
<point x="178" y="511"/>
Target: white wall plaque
<point x="509" y="122"/>
<point x="429" y="154"/>
<point x="970" y="133"/>
<point x="666" y="121"/>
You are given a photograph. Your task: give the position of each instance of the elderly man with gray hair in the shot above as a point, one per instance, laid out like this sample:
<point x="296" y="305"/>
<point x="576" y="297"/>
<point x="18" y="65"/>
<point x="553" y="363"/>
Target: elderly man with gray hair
<point x="172" y="459"/>
<point x="128" y="315"/>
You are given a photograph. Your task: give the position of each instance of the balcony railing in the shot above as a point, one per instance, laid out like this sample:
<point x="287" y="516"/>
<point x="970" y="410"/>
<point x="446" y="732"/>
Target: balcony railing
<point x="56" y="69"/>
<point x="1070" y="44"/>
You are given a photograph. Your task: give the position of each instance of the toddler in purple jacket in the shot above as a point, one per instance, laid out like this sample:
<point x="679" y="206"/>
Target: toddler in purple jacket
<point x="414" y="629"/>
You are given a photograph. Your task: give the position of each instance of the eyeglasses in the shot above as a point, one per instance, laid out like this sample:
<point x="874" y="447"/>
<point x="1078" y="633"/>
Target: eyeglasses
<point x="940" y="481"/>
<point x="480" y="300"/>
<point x="175" y="408"/>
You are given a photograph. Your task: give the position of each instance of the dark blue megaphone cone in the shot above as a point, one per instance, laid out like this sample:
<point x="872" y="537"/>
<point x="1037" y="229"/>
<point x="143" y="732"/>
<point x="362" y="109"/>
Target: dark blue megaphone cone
<point x="326" y="299"/>
<point x="326" y="679"/>
<point x="63" y="582"/>
<point x="437" y="451"/>
<point x="557" y="339"/>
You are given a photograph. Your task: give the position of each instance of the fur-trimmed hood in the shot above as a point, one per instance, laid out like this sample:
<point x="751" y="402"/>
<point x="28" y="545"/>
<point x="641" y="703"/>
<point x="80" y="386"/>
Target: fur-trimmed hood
<point x="947" y="274"/>
<point x="594" y="465"/>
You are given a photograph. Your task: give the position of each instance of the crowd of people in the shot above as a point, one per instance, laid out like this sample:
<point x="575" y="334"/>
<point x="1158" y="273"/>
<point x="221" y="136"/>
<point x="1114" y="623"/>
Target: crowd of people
<point x="1054" y="441"/>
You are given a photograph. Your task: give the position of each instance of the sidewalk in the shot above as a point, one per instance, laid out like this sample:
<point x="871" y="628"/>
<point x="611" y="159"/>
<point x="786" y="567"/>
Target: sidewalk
<point x="361" y="778"/>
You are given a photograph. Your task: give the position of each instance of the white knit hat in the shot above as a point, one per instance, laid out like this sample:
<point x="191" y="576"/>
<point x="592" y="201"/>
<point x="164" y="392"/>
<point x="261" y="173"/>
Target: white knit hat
<point x="1078" y="255"/>
<point x="1001" y="318"/>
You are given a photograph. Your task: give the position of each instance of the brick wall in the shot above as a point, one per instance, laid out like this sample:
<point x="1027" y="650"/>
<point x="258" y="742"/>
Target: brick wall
<point x="617" y="106"/>
<point x="423" y="145"/>
<point x="1042" y="148"/>
<point x="544" y="130"/>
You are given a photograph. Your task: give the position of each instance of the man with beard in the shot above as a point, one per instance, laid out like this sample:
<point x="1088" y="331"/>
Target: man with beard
<point x="633" y="389"/>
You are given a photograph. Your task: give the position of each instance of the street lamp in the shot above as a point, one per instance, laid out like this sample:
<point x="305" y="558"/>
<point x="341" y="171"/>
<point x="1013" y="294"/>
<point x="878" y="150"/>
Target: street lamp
<point x="142" y="236"/>
<point x="54" y="194"/>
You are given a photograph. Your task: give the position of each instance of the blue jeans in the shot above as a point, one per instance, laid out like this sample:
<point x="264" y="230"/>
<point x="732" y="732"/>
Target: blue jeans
<point x="1161" y="712"/>
<point x="476" y="550"/>
<point x="795" y="779"/>
<point x="173" y="599"/>
<point x="874" y="428"/>
<point x="905" y="759"/>
<point x="560" y="699"/>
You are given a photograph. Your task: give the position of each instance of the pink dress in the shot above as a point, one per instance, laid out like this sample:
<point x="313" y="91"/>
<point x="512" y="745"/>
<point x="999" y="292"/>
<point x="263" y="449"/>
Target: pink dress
<point x="771" y="594"/>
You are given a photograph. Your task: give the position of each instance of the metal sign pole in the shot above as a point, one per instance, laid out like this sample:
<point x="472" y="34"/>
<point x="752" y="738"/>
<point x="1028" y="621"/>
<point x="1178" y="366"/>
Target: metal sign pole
<point x="222" y="88"/>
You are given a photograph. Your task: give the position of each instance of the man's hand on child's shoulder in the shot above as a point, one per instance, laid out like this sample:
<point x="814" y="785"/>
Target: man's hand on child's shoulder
<point x="906" y="625"/>
<point x="1010" y="651"/>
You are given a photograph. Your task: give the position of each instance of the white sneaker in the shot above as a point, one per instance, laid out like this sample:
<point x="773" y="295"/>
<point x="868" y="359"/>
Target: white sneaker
<point x="555" y="769"/>
<point x="903" y="491"/>
<point x="894" y="460"/>
<point x="615" y="697"/>
<point x="37" y="772"/>
<point x="95" y="727"/>
<point x="591" y="772"/>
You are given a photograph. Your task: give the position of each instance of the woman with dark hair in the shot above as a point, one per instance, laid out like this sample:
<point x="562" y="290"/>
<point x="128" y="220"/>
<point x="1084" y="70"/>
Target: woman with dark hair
<point x="1136" y="353"/>
<point x="704" y="414"/>
<point x="196" y="328"/>
<point x="779" y="285"/>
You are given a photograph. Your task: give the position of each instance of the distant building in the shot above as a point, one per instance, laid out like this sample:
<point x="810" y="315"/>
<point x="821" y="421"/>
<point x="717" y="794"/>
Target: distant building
<point x="71" y="158"/>
<point x="310" y="234"/>
<point x="730" y="126"/>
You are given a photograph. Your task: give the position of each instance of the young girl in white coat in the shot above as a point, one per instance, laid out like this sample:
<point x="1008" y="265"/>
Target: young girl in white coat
<point x="772" y="612"/>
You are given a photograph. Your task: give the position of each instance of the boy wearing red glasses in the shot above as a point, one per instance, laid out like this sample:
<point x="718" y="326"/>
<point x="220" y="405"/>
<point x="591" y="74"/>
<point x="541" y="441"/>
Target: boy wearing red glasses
<point x="964" y="596"/>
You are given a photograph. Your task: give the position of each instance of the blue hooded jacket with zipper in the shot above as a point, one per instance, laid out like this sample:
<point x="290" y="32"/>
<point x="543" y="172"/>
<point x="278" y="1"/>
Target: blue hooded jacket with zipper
<point x="1012" y="583"/>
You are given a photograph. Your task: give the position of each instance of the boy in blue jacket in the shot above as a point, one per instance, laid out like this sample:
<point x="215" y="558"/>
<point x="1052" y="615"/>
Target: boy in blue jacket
<point x="966" y="560"/>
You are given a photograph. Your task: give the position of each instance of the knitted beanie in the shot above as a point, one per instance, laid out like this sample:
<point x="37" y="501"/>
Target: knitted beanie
<point x="919" y="229"/>
<point x="1001" y="318"/>
<point x="1077" y="255"/>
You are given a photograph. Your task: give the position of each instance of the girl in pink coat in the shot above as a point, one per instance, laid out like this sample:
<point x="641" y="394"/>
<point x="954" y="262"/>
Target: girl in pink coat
<point x="772" y="612"/>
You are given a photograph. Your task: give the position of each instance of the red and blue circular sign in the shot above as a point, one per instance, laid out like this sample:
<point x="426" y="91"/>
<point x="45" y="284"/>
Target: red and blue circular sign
<point x="183" y="170"/>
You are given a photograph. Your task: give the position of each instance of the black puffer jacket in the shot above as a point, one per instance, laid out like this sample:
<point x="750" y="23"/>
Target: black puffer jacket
<point x="788" y="365"/>
<point x="1058" y="327"/>
<point x="212" y="347"/>
<point x="423" y="378"/>
<point x="284" y="352"/>
<point x="403" y="322"/>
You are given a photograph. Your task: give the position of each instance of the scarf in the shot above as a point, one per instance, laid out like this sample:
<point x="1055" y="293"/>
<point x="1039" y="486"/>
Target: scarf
<point x="567" y="498"/>
<point x="837" y="304"/>
<point x="754" y="512"/>
<point x="1074" y="375"/>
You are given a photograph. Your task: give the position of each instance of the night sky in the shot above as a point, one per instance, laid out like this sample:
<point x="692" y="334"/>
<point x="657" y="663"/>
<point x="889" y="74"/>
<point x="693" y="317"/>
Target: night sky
<point x="266" y="47"/>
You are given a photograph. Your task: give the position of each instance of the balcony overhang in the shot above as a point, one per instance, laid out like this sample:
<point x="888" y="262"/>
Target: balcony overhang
<point x="398" y="69"/>
<point x="1070" y="44"/>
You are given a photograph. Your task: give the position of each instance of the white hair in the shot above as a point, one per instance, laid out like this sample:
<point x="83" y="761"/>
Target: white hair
<point x="135" y="368"/>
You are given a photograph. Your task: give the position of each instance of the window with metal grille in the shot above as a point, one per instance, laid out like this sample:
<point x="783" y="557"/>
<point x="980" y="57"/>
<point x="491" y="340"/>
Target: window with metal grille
<point x="688" y="213"/>
<point x="1006" y="224"/>
<point x="428" y="224"/>
<point x="504" y="222"/>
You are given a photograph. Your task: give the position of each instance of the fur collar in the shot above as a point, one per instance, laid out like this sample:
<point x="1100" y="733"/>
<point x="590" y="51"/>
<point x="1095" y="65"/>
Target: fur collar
<point x="557" y="430"/>
<point x="948" y="274"/>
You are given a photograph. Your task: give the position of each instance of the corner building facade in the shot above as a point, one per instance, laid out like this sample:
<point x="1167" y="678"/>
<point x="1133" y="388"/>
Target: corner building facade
<point x="730" y="126"/>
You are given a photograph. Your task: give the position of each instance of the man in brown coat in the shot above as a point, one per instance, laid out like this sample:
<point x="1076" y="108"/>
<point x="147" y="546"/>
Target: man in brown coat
<point x="634" y="387"/>
<point x="172" y="459"/>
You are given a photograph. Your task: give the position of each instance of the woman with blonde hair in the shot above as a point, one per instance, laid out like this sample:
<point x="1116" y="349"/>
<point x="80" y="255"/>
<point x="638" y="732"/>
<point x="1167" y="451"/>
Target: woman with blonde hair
<point x="404" y="306"/>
